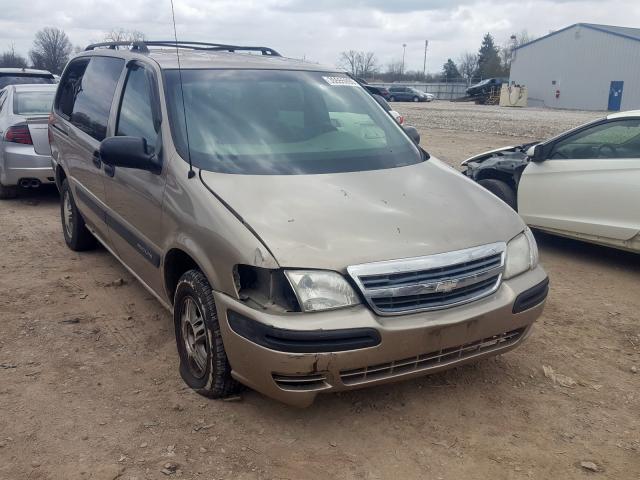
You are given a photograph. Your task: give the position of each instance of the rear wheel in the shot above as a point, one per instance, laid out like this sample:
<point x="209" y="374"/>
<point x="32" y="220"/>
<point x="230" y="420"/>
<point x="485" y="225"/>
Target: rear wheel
<point x="203" y="361"/>
<point x="76" y="234"/>
<point x="392" y="98"/>
<point x="500" y="189"/>
<point x="416" y="99"/>
<point x="7" y="192"/>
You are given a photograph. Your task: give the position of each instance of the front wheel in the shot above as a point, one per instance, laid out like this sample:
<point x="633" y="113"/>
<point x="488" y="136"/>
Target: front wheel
<point x="76" y="235"/>
<point x="203" y="361"/>
<point x="500" y="189"/>
<point x="392" y="98"/>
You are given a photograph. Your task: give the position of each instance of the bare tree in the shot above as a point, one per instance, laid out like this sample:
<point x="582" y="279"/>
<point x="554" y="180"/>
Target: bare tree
<point x="368" y="64"/>
<point x="10" y="59"/>
<point x="51" y="49"/>
<point x="395" y="67"/>
<point x="122" y="35"/>
<point x="349" y="60"/>
<point x="508" y="50"/>
<point x="468" y="65"/>
<point x="360" y="64"/>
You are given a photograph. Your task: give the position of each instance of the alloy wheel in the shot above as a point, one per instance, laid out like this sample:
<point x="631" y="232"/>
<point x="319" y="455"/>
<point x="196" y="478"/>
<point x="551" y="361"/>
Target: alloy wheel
<point x="194" y="337"/>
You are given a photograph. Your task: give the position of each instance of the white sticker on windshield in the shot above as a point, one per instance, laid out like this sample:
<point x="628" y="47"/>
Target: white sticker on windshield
<point x="338" y="81"/>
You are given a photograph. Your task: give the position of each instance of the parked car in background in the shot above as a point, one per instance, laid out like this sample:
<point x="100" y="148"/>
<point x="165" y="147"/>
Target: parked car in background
<point x="584" y="183"/>
<point x="25" y="156"/>
<point x="382" y="91"/>
<point x="485" y="86"/>
<point x="16" y="76"/>
<point x="302" y="239"/>
<point x="408" y="94"/>
<point x="396" y="116"/>
<point x="399" y="118"/>
<point x="374" y="90"/>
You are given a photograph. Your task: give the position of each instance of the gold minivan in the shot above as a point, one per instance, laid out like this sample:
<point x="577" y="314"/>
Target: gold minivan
<point x="301" y="238"/>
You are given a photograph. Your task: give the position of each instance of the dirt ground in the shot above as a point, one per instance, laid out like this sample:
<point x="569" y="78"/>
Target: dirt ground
<point x="89" y="383"/>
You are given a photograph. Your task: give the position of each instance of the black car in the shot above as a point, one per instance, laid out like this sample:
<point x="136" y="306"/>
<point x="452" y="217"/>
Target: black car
<point x="485" y="87"/>
<point x="383" y="92"/>
<point x="16" y="76"/>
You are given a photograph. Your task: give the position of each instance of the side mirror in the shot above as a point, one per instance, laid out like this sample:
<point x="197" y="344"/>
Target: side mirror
<point x="535" y="153"/>
<point x="413" y="133"/>
<point x="128" y="152"/>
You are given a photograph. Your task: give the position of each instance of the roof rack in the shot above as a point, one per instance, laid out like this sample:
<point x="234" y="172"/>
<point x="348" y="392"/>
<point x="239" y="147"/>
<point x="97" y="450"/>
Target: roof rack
<point x="142" y="46"/>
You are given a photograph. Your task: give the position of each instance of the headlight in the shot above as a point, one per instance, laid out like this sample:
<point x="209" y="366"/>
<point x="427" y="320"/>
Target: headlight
<point x="522" y="254"/>
<point x="321" y="290"/>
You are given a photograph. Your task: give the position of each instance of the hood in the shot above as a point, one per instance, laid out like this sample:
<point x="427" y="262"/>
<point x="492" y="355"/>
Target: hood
<point x="517" y="151"/>
<point x="331" y="221"/>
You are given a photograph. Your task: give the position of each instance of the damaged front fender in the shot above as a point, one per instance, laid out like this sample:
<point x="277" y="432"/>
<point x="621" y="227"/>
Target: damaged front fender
<point x="505" y="163"/>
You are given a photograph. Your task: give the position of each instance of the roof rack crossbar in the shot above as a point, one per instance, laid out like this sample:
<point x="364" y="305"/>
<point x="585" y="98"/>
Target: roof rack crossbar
<point x="142" y="46"/>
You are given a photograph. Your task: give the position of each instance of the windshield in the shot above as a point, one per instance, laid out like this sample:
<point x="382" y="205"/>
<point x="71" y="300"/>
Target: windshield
<point x="32" y="103"/>
<point x="282" y="122"/>
<point x="24" y="79"/>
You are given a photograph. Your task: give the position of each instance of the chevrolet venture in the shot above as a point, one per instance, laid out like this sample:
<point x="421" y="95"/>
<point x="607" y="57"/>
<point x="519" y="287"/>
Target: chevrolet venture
<point x="302" y="240"/>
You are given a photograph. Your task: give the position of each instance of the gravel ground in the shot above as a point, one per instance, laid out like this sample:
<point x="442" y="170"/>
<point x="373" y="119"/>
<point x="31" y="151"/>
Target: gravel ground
<point x="89" y="383"/>
<point x="529" y="123"/>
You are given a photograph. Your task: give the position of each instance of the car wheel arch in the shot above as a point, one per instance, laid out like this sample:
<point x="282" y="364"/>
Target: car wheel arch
<point x="177" y="261"/>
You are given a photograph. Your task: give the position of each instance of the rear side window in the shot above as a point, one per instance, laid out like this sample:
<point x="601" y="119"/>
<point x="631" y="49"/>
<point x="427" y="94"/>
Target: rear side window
<point x="86" y="93"/>
<point x="93" y="100"/>
<point x="69" y="87"/>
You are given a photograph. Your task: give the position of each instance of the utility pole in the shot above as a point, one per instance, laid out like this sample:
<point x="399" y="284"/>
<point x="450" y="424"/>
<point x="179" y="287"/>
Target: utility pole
<point x="424" y="66"/>
<point x="404" y="49"/>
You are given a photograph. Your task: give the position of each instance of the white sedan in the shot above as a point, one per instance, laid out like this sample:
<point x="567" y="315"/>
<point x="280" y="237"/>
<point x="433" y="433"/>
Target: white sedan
<point x="584" y="183"/>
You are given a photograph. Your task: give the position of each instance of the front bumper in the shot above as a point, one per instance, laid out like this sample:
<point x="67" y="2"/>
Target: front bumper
<point x="409" y="345"/>
<point x="21" y="161"/>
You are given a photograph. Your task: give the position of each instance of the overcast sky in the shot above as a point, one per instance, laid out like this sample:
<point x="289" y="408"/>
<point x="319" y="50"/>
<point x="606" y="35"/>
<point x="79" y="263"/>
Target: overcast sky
<point x="315" y="29"/>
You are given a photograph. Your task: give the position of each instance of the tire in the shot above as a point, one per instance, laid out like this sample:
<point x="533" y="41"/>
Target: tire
<point x="392" y="98"/>
<point x="416" y="99"/>
<point x="76" y="235"/>
<point x="204" y="365"/>
<point x="501" y="190"/>
<point x="7" y="192"/>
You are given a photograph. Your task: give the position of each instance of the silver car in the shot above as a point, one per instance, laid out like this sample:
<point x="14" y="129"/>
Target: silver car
<point x="25" y="156"/>
<point x="301" y="238"/>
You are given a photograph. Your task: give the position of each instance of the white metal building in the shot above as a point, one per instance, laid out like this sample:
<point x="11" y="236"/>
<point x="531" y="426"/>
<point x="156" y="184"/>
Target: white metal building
<point x="583" y="66"/>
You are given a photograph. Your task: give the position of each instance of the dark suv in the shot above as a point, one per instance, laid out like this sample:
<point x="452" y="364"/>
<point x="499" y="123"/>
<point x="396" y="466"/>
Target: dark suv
<point x="408" y="94"/>
<point x="485" y="86"/>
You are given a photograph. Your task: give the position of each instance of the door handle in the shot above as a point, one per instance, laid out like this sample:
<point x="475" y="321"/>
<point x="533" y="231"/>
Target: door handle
<point x="96" y="159"/>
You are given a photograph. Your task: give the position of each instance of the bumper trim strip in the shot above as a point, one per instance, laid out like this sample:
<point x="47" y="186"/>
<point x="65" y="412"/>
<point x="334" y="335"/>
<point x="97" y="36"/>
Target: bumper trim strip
<point x="532" y="297"/>
<point x="297" y="341"/>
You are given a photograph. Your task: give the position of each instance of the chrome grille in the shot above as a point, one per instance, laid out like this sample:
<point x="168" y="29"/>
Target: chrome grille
<point x="433" y="282"/>
<point x="430" y="360"/>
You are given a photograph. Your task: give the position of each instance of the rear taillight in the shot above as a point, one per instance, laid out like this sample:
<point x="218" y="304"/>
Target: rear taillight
<point x="18" y="134"/>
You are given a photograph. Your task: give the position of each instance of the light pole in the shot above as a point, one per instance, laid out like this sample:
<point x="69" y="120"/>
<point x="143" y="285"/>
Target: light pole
<point x="424" y="65"/>
<point x="404" y="49"/>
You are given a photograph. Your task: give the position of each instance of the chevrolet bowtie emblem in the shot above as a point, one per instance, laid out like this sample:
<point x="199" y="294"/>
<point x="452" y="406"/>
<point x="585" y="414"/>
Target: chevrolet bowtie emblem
<point x="446" y="286"/>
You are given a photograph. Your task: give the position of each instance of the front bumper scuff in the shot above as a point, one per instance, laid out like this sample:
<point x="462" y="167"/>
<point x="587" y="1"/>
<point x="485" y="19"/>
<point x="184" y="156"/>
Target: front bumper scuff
<point x="410" y="345"/>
